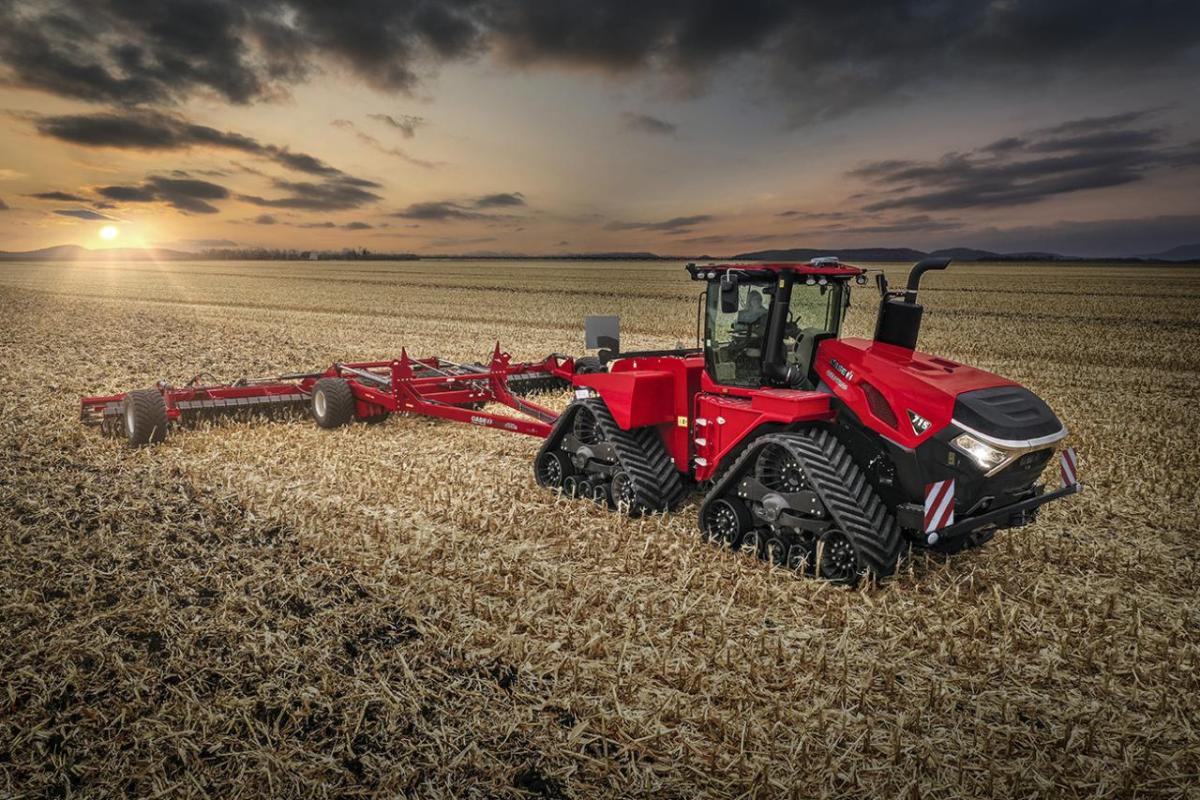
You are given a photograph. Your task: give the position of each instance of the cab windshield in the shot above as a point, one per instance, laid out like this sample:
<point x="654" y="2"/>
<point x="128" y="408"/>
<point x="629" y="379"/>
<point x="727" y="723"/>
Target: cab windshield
<point x="736" y="341"/>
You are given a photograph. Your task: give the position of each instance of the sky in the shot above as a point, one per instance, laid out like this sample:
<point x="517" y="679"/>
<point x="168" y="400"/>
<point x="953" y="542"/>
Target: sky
<point x="570" y="126"/>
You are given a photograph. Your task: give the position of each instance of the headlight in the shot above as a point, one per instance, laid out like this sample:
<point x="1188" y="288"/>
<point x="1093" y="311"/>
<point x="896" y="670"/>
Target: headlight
<point x="984" y="455"/>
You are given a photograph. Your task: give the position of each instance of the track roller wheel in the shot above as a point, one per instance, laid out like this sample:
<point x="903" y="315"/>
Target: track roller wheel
<point x="776" y="549"/>
<point x="601" y="495"/>
<point x="332" y="403"/>
<point x="552" y="468"/>
<point x="583" y="488"/>
<point x="727" y="522"/>
<point x="838" y="561"/>
<point x="624" y="494"/>
<point x="145" y="415"/>
<point x="570" y="486"/>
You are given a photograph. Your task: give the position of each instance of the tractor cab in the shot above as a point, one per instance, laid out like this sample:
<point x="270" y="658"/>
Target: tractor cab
<point x="763" y="322"/>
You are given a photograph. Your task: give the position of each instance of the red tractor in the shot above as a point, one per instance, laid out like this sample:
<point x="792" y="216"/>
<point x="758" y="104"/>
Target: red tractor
<point x="822" y="454"/>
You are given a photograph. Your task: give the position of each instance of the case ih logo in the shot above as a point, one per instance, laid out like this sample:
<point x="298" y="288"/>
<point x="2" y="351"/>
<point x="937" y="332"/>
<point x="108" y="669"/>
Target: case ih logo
<point x="845" y="373"/>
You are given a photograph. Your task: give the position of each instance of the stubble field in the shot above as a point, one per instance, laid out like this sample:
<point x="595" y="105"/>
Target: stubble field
<point x="261" y="608"/>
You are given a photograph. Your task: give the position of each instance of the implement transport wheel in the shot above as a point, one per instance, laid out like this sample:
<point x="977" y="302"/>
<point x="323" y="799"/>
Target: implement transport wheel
<point x="726" y="522"/>
<point x="145" y="417"/>
<point x="332" y="402"/>
<point x="552" y="469"/>
<point x="837" y="559"/>
<point x="377" y="419"/>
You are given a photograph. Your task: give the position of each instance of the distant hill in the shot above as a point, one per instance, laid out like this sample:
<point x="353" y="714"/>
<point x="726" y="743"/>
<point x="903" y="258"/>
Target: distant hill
<point x="73" y="252"/>
<point x="1185" y="252"/>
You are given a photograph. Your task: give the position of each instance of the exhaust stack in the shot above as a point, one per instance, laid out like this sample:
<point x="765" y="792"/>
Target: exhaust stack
<point x="899" y="321"/>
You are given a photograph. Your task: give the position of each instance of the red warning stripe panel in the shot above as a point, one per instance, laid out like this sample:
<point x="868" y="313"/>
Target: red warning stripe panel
<point x="1068" y="467"/>
<point x="939" y="505"/>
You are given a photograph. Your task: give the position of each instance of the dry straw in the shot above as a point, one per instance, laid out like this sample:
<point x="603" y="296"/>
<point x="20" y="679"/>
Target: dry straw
<point x="264" y="609"/>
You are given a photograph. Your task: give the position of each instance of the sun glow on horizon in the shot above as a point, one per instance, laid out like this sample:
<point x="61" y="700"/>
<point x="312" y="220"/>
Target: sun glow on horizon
<point x="109" y="232"/>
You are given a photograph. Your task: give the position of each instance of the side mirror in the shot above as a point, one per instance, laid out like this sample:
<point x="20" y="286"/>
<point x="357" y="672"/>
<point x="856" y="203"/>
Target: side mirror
<point x="729" y="293"/>
<point x="881" y="282"/>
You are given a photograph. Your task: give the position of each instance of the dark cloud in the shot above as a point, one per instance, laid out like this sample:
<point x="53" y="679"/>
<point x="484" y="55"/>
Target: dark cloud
<point x="438" y="211"/>
<point x="127" y="194"/>
<point x="83" y="213"/>
<point x="152" y="130"/>
<point x="62" y="197"/>
<point x="917" y="223"/>
<point x="1075" y="127"/>
<point x="372" y="142"/>
<point x="357" y="226"/>
<point x="265" y="219"/>
<point x="499" y="200"/>
<point x="825" y="58"/>
<point x="407" y="124"/>
<point x="332" y="195"/>
<point x="648" y="124"/>
<point x="104" y="205"/>
<point x="456" y="210"/>
<point x="724" y="238"/>
<point x="1073" y="156"/>
<point x="186" y="194"/>
<point x="673" y="225"/>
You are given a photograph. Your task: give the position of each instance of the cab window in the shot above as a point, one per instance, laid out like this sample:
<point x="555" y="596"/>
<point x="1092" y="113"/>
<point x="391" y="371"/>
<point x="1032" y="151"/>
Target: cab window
<point x="814" y="313"/>
<point x="734" y="341"/>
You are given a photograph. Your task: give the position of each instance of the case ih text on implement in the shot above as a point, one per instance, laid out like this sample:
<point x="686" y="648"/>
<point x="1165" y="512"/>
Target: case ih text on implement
<point x="823" y="454"/>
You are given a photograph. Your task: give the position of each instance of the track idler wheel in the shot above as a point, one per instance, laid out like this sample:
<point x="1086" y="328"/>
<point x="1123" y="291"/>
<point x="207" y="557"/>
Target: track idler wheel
<point x="332" y="403"/>
<point x="727" y="521"/>
<point x="145" y="417"/>
<point x="837" y="559"/>
<point x="552" y="469"/>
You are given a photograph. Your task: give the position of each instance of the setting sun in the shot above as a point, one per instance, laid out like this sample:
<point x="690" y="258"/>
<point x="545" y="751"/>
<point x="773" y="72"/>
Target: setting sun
<point x="109" y="232"/>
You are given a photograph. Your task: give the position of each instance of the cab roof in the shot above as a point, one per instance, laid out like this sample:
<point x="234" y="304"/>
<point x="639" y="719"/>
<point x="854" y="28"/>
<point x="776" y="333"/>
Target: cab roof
<point x="829" y="268"/>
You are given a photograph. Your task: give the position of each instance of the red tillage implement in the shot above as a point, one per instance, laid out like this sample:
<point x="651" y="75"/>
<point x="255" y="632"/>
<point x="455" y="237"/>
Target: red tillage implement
<point x="366" y="390"/>
<point x="817" y="452"/>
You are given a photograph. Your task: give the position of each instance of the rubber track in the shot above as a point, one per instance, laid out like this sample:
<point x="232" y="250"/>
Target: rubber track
<point x="640" y="452"/>
<point x="844" y="491"/>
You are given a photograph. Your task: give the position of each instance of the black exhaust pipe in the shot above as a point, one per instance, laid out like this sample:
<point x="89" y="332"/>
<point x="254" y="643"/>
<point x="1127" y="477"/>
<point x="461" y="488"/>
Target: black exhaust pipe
<point x="899" y="321"/>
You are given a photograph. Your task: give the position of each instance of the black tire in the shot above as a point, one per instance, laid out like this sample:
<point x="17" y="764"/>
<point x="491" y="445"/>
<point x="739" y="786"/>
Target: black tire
<point x="332" y="403"/>
<point x="552" y="468"/>
<point x="377" y="419"/>
<point x="726" y="522"/>
<point x="145" y="417"/>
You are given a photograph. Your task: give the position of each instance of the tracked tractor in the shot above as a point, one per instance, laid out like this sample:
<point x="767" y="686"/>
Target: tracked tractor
<point x="823" y="454"/>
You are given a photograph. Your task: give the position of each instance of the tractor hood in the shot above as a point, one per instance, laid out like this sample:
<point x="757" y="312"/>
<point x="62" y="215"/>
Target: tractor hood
<point x="909" y="396"/>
